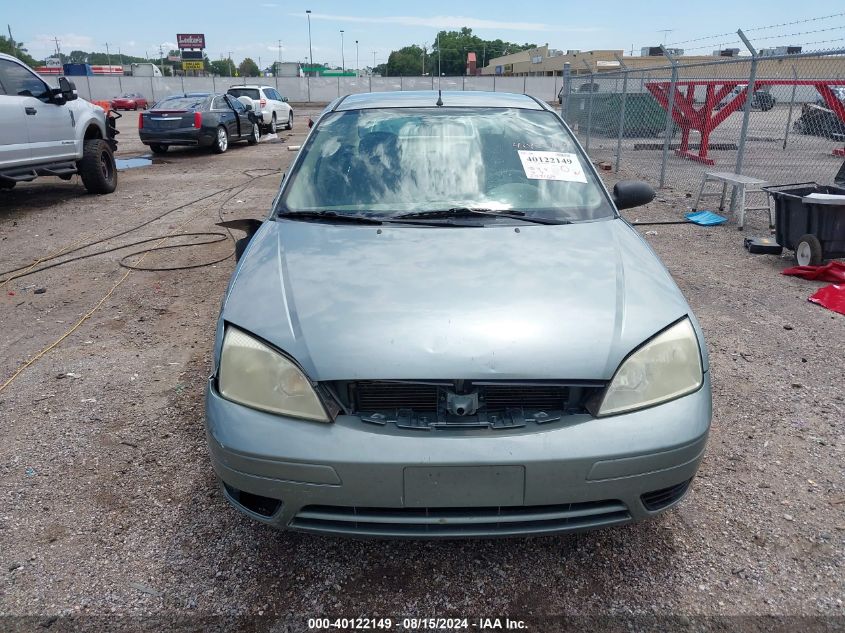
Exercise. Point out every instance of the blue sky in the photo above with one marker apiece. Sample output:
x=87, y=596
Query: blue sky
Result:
x=254, y=27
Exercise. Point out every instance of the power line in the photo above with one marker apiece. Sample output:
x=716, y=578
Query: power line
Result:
x=760, y=28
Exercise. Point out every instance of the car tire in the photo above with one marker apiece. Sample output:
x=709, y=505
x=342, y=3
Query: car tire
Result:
x=808, y=250
x=253, y=138
x=290, y=120
x=272, y=127
x=6, y=184
x=221, y=143
x=159, y=149
x=97, y=167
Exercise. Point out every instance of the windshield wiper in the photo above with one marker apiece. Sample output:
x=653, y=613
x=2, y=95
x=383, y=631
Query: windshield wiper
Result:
x=472, y=212
x=330, y=216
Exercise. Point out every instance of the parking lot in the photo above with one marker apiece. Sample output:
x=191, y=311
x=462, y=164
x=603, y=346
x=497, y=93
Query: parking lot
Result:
x=108, y=504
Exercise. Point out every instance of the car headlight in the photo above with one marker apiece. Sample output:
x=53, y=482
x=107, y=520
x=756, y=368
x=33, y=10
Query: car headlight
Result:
x=666, y=367
x=253, y=374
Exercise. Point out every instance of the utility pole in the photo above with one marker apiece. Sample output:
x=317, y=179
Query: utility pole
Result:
x=58, y=50
x=423, y=60
x=438, y=59
x=231, y=65
x=342, y=58
x=108, y=57
x=357, y=65
x=310, y=52
x=161, y=59
x=665, y=33
x=279, y=71
x=12, y=40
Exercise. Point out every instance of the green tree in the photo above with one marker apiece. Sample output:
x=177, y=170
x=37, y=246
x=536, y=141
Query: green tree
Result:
x=453, y=47
x=18, y=51
x=248, y=68
x=221, y=67
x=407, y=62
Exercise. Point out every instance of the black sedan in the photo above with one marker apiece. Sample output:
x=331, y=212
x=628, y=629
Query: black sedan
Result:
x=207, y=120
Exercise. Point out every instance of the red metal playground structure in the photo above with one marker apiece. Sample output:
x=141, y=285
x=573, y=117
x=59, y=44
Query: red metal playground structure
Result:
x=706, y=118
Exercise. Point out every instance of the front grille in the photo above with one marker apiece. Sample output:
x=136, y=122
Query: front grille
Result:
x=464, y=403
x=659, y=499
x=525, y=397
x=376, y=396
x=460, y=522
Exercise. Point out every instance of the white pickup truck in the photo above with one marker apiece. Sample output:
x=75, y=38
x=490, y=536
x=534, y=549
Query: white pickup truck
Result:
x=46, y=131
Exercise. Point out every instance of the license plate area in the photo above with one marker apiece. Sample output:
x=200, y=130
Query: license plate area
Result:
x=464, y=486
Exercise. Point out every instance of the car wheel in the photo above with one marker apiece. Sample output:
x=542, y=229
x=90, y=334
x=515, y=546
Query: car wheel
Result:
x=808, y=251
x=272, y=128
x=290, y=120
x=252, y=139
x=159, y=149
x=221, y=143
x=97, y=167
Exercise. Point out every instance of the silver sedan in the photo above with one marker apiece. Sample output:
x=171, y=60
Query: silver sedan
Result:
x=444, y=329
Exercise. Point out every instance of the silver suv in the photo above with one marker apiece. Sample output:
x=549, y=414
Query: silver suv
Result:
x=49, y=131
x=269, y=104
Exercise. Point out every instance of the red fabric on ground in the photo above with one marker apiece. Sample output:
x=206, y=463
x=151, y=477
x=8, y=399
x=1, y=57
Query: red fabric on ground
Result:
x=832, y=271
x=831, y=297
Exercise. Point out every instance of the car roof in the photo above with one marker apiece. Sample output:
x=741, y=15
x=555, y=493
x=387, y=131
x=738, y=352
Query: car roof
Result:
x=428, y=98
x=262, y=86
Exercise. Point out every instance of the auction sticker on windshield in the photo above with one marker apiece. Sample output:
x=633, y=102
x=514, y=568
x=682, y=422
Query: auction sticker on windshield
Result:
x=552, y=166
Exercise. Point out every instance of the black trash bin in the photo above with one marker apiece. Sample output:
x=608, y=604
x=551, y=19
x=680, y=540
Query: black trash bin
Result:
x=812, y=227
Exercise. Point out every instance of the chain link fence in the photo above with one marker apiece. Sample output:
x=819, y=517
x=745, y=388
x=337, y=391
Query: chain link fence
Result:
x=671, y=124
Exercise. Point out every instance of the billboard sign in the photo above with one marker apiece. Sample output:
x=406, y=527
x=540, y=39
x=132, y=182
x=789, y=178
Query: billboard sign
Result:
x=192, y=66
x=190, y=40
x=192, y=55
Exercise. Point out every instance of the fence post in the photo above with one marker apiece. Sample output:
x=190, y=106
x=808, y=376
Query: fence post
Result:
x=88, y=81
x=524, y=84
x=371, y=84
x=401, y=86
x=566, y=89
x=746, y=111
x=494, y=83
x=791, y=103
x=182, y=81
x=153, y=89
x=308, y=86
x=338, y=86
x=621, y=111
x=589, y=108
x=670, y=121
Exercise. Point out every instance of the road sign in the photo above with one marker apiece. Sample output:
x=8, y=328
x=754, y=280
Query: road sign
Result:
x=193, y=65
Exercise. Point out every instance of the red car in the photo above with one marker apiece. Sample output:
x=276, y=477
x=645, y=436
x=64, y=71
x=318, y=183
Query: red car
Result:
x=130, y=101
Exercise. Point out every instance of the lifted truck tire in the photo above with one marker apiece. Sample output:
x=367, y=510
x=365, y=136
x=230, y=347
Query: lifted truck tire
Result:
x=97, y=167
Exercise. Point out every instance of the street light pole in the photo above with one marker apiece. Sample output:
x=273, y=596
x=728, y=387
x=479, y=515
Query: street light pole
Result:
x=231, y=65
x=357, y=65
x=279, y=71
x=342, y=57
x=310, y=52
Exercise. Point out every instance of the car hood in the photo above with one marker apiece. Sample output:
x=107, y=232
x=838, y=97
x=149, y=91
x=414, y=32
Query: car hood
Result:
x=498, y=302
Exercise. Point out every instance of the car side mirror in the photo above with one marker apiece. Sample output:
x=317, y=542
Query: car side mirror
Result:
x=67, y=89
x=632, y=193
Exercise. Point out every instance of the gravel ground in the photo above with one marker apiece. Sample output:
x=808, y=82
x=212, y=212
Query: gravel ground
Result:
x=108, y=504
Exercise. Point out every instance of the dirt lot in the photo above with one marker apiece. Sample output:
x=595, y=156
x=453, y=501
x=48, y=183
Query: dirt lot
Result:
x=108, y=504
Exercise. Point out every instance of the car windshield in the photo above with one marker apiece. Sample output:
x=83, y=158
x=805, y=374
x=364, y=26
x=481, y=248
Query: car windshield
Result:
x=181, y=103
x=399, y=160
x=252, y=93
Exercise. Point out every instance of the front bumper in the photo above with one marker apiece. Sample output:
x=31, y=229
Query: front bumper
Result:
x=355, y=479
